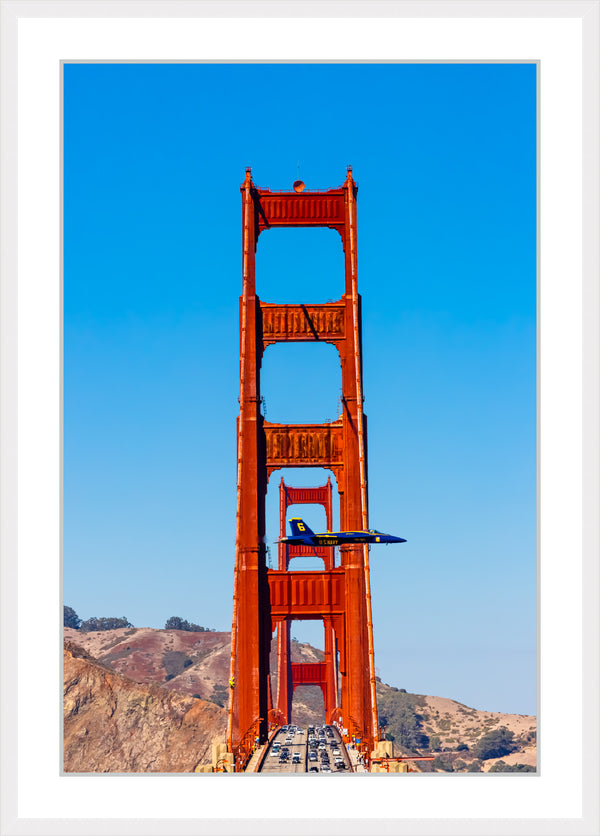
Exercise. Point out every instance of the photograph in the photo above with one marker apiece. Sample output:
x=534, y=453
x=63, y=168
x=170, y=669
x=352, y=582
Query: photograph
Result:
x=300, y=313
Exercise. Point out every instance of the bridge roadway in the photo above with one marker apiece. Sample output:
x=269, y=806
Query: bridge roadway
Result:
x=300, y=742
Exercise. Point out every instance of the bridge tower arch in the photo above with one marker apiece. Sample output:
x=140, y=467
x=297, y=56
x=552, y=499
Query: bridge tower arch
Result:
x=291, y=674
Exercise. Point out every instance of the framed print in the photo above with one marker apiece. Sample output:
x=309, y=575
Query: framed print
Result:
x=559, y=43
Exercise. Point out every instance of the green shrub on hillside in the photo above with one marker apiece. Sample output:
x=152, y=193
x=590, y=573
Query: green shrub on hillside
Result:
x=502, y=766
x=220, y=695
x=177, y=623
x=495, y=744
x=445, y=764
x=402, y=720
x=93, y=624
x=435, y=743
x=176, y=661
x=71, y=619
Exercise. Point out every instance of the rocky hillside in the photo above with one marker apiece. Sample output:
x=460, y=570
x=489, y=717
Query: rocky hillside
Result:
x=462, y=739
x=191, y=663
x=113, y=724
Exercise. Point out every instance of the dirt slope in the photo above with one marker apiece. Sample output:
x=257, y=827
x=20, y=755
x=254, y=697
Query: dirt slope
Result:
x=455, y=723
x=112, y=724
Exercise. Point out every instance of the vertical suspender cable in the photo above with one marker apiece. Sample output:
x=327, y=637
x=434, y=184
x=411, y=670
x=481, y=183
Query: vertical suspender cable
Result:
x=361, y=455
x=247, y=199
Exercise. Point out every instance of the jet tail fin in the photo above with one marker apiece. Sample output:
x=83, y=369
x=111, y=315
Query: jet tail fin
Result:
x=299, y=528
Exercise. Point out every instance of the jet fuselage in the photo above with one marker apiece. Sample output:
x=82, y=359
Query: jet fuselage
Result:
x=303, y=535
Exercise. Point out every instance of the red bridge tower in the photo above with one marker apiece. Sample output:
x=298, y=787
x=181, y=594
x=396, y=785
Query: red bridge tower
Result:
x=339, y=596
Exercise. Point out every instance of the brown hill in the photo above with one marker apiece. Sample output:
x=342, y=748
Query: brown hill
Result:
x=191, y=663
x=452, y=731
x=113, y=724
x=455, y=723
x=196, y=664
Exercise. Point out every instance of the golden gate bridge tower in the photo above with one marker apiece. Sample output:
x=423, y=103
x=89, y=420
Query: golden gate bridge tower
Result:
x=265, y=600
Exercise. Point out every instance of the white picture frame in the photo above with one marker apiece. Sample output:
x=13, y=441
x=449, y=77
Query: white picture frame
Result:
x=563, y=37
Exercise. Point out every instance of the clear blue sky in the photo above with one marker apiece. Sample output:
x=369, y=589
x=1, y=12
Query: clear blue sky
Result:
x=444, y=157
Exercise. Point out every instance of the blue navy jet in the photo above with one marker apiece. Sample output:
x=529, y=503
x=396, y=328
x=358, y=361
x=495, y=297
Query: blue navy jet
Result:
x=302, y=535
